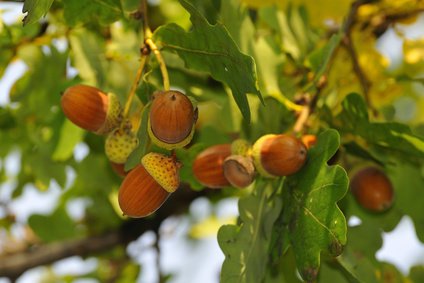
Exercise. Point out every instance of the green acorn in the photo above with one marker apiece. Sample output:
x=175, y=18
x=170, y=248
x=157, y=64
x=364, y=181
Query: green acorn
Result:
x=119, y=144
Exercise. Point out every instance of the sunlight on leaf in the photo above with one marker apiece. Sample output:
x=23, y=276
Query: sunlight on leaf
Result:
x=314, y=222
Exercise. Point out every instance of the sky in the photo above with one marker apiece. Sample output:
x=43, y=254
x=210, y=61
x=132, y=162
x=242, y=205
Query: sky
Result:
x=178, y=255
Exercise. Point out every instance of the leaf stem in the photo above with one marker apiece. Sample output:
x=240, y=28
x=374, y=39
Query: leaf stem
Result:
x=136, y=81
x=149, y=42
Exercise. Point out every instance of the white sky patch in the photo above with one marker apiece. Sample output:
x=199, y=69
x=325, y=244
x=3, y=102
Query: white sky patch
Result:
x=401, y=247
x=75, y=266
x=13, y=72
x=34, y=201
x=11, y=12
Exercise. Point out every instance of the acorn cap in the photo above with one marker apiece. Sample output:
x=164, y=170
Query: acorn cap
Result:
x=240, y=147
x=113, y=116
x=140, y=195
x=164, y=169
x=119, y=144
x=171, y=118
x=207, y=166
x=169, y=146
x=239, y=170
x=278, y=155
x=256, y=154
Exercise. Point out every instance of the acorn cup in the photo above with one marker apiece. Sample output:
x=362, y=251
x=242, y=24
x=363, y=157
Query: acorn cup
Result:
x=372, y=189
x=239, y=170
x=278, y=155
x=172, y=119
x=91, y=109
x=208, y=166
x=119, y=144
x=148, y=185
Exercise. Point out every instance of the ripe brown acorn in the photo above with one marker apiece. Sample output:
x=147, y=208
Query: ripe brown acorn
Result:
x=208, y=166
x=91, y=109
x=118, y=168
x=171, y=120
x=239, y=170
x=148, y=185
x=278, y=155
x=309, y=140
x=372, y=189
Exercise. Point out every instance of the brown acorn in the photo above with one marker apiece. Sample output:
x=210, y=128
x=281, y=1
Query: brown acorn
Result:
x=172, y=119
x=91, y=109
x=239, y=170
x=118, y=168
x=372, y=189
x=148, y=185
x=208, y=166
x=278, y=155
x=309, y=140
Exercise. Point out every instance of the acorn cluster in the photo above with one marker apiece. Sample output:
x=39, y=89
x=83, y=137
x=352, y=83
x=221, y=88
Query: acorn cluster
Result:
x=171, y=125
x=238, y=163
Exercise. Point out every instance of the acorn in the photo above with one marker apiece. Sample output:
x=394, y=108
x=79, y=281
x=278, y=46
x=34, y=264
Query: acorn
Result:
x=118, y=168
x=148, y=185
x=91, y=109
x=278, y=155
x=309, y=140
x=239, y=170
x=172, y=119
x=208, y=166
x=372, y=189
x=119, y=144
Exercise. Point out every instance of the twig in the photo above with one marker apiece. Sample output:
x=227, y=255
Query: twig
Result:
x=144, y=15
x=348, y=43
x=13, y=265
x=308, y=109
x=149, y=42
x=136, y=81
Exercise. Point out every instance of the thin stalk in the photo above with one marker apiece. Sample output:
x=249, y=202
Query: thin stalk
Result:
x=136, y=81
x=149, y=42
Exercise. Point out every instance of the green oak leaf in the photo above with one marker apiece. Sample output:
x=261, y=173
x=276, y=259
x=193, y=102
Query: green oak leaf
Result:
x=246, y=246
x=210, y=48
x=56, y=226
x=408, y=183
x=36, y=9
x=100, y=11
x=314, y=222
x=384, y=138
x=70, y=136
x=143, y=141
x=358, y=259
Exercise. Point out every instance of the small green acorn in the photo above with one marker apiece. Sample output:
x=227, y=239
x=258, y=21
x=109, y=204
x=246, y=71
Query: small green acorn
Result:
x=172, y=119
x=120, y=143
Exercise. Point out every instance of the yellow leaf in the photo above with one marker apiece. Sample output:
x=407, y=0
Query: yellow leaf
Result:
x=413, y=51
x=209, y=226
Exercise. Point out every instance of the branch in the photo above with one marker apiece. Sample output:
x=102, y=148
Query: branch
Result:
x=348, y=43
x=12, y=266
